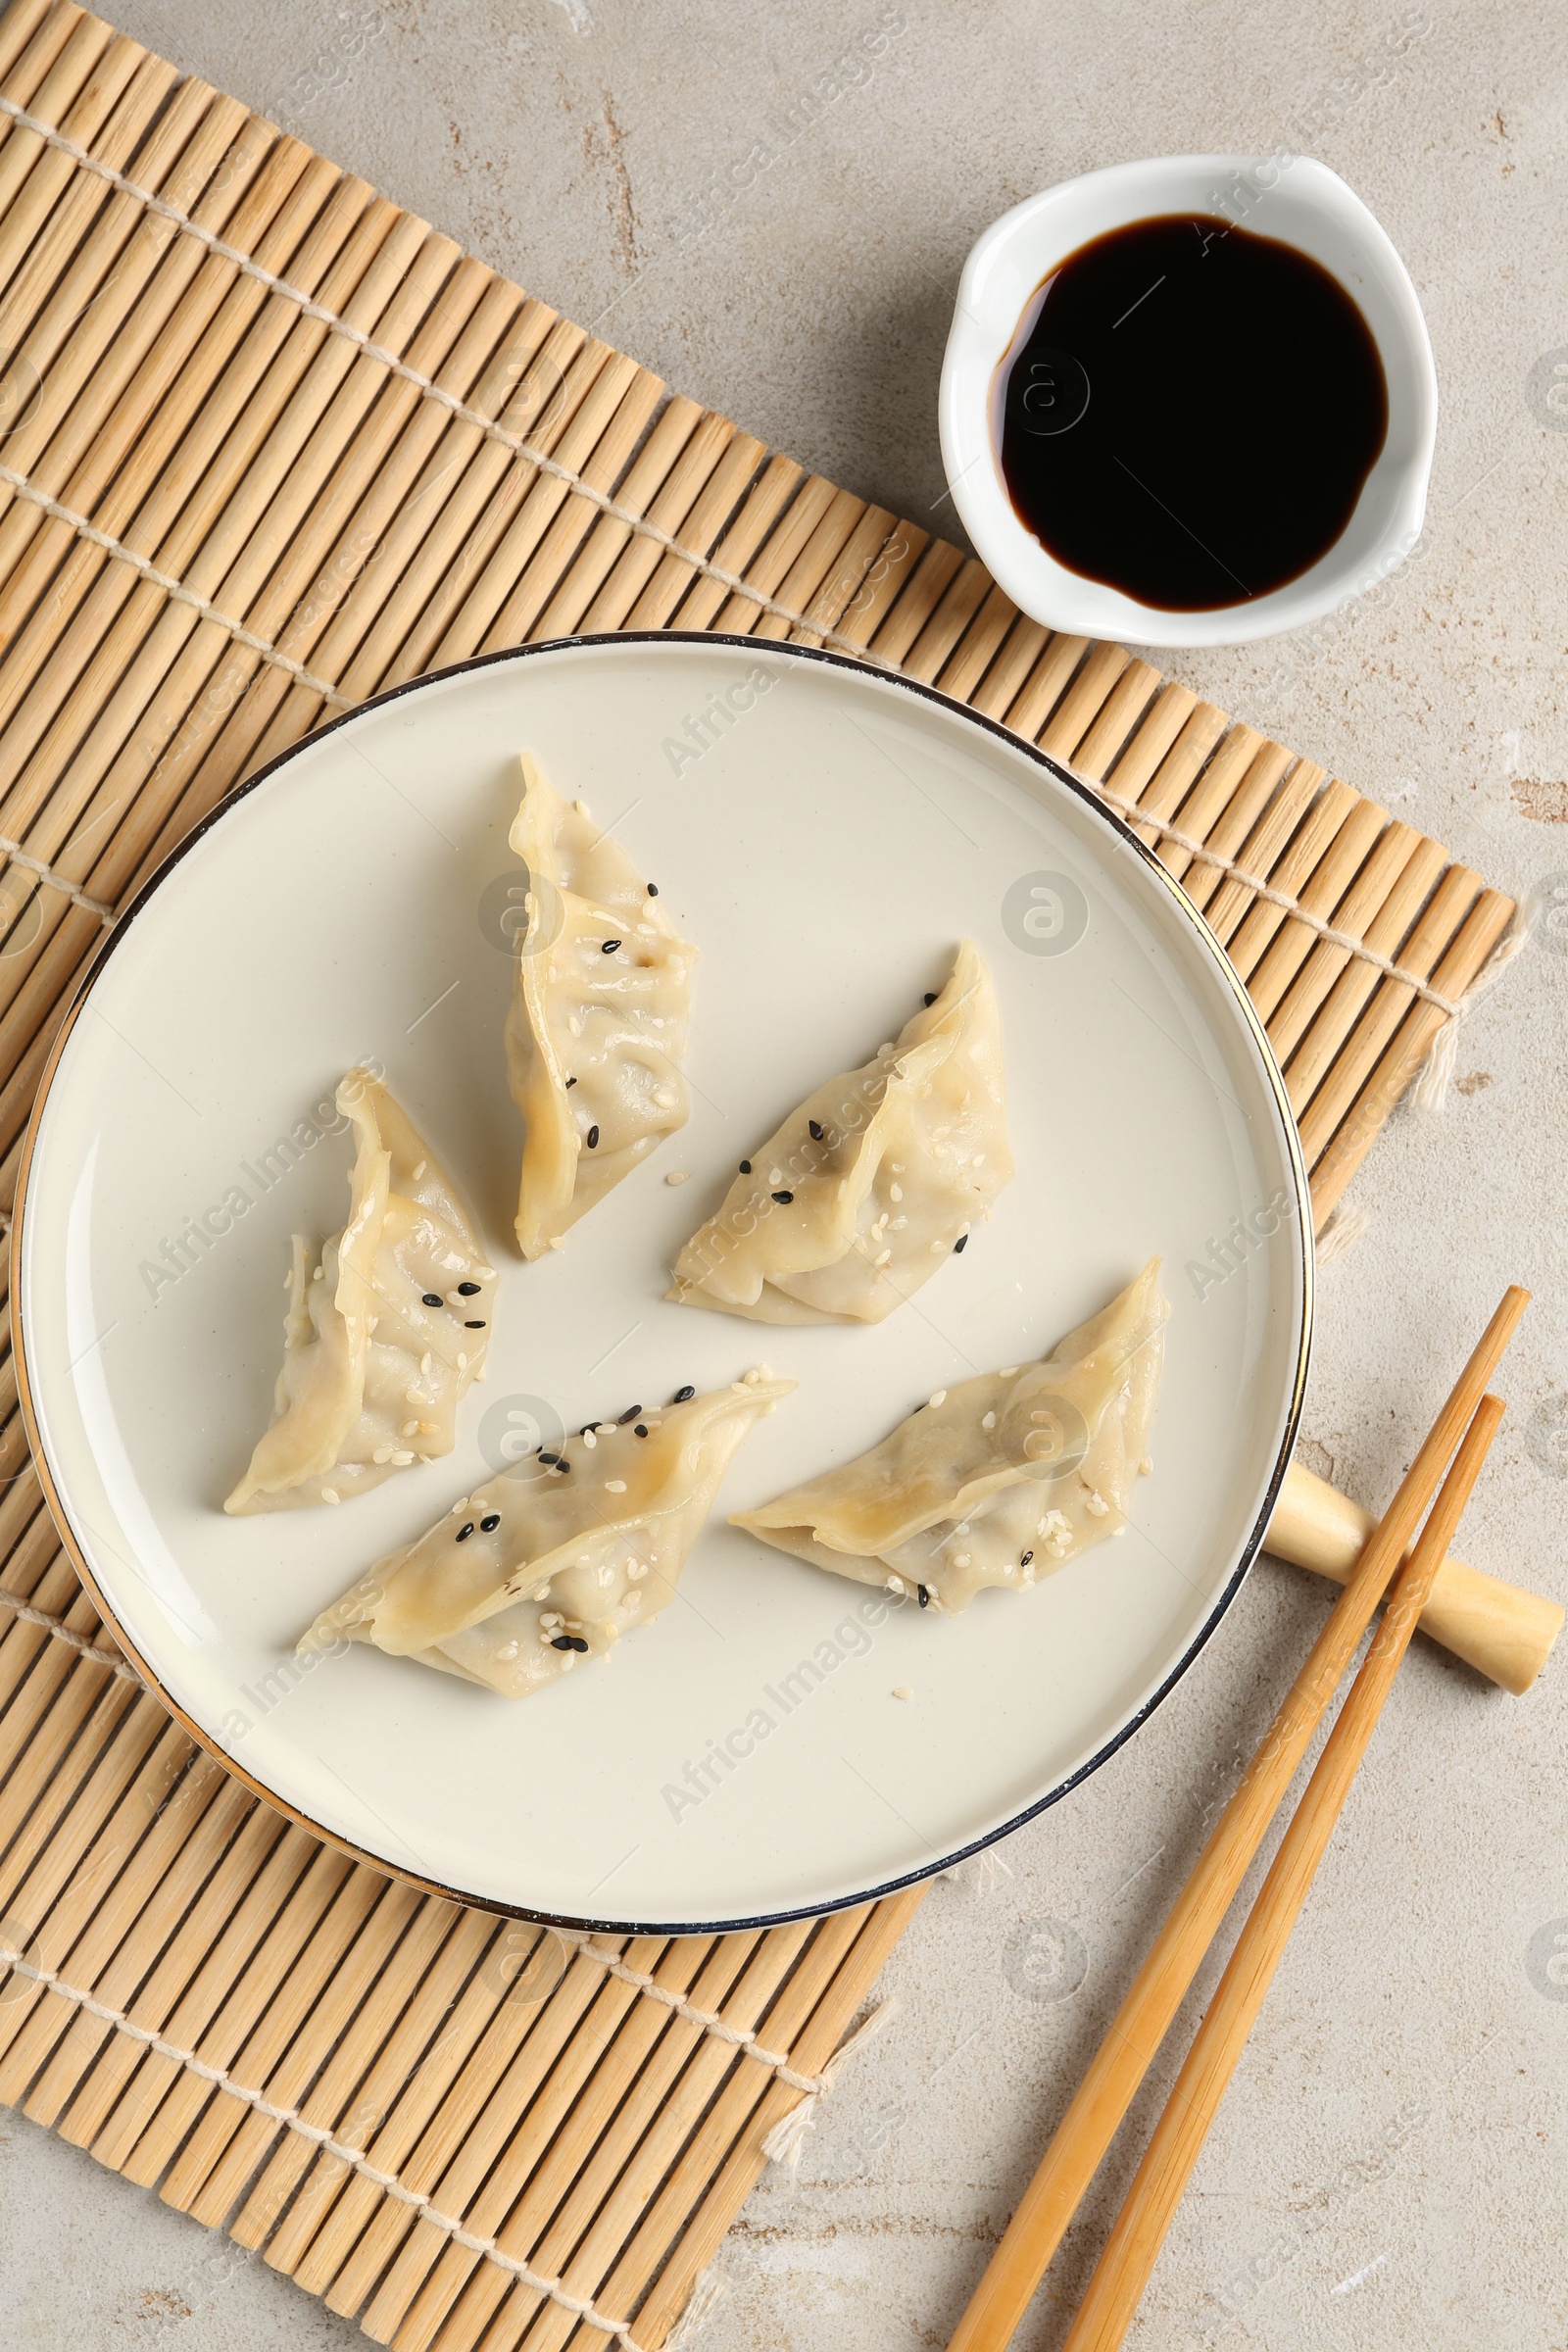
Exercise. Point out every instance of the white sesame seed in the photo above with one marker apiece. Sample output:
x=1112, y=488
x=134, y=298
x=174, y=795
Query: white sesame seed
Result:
x=895, y=1192
x=1009, y=1373
x=589, y=1439
x=677, y=1176
x=1145, y=1465
x=558, y=1240
x=615, y=1486
x=938, y=1397
x=401, y=1460
x=330, y=1494
x=902, y=1691
x=987, y=1421
x=884, y=1259
x=1096, y=1506
x=409, y=1429
x=419, y=1172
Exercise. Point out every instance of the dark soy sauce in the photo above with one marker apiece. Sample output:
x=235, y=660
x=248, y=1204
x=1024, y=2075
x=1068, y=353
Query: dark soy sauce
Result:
x=1188, y=413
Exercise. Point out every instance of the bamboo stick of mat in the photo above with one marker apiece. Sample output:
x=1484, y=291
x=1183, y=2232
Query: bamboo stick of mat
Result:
x=1140, y=2023
x=1133, y=2246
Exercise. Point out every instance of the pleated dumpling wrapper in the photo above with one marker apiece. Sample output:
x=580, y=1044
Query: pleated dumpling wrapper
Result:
x=384, y=1333
x=873, y=1182
x=556, y=1559
x=596, y=1031
x=999, y=1481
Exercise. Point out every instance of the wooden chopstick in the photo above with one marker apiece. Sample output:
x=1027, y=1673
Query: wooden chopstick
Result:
x=1123, y=2271
x=1140, y=2023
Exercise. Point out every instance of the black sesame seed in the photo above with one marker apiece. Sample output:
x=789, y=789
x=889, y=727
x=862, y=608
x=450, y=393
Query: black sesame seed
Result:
x=684, y=1395
x=432, y=1299
x=468, y=1289
x=465, y=1531
x=586, y=1426
x=931, y=997
x=609, y=946
x=630, y=1414
x=1027, y=1557
x=745, y=1168
x=816, y=1126
x=923, y=1596
x=593, y=1137
x=554, y=1461
x=784, y=1198
x=474, y=1324
x=958, y=1244
x=569, y=1641
x=641, y=1429
x=489, y=1524
x=653, y=890
x=572, y=1082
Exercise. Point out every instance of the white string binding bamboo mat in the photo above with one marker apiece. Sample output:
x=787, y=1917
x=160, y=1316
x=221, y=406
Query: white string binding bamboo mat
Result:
x=270, y=445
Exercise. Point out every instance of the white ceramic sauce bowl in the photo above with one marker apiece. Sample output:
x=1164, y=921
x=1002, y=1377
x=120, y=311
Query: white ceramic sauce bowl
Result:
x=1299, y=202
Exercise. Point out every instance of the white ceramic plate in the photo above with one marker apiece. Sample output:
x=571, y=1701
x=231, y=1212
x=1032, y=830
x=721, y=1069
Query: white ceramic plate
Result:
x=826, y=852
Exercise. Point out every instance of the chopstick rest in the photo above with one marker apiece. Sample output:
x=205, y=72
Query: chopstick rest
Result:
x=1140, y=2023
x=1130, y=2252
x=1503, y=1632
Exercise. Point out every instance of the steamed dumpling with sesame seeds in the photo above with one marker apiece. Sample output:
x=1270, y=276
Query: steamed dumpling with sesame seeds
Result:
x=873, y=1182
x=553, y=1561
x=383, y=1332
x=595, y=1030
x=999, y=1481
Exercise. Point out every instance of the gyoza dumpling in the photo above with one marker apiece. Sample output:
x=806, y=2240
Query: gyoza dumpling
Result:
x=596, y=1025
x=556, y=1560
x=867, y=1188
x=382, y=1335
x=998, y=1481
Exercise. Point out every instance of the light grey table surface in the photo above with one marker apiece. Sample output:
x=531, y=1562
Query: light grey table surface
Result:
x=1390, y=2166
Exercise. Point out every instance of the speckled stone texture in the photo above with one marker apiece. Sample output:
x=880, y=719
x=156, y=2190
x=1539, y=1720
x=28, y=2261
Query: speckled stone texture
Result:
x=1391, y=2167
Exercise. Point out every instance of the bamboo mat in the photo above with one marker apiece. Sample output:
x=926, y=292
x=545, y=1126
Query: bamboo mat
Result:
x=269, y=445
